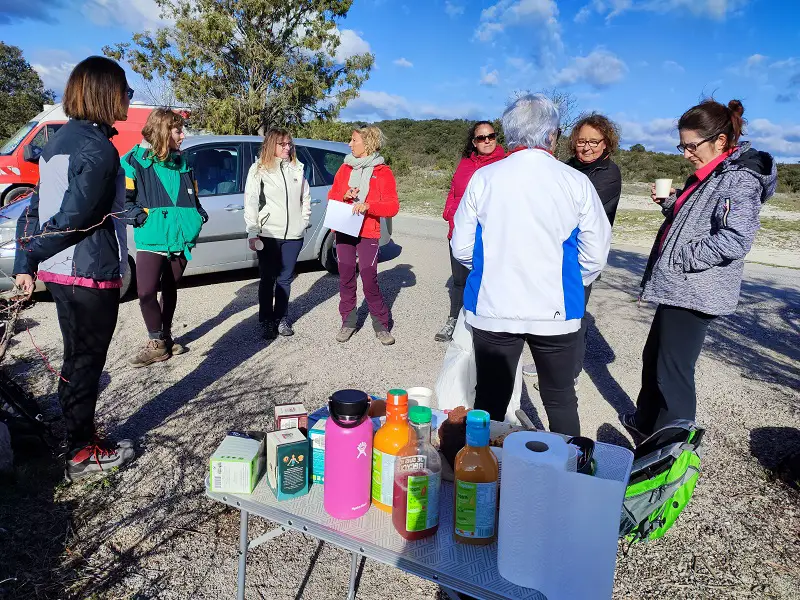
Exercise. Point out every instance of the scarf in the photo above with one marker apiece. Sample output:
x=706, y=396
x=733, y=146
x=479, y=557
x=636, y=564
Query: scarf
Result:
x=361, y=174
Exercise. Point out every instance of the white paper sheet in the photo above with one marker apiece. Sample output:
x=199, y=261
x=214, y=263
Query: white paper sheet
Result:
x=339, y=217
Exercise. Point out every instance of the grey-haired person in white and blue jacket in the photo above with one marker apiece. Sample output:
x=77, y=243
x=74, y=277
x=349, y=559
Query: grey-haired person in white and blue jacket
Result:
x=533, y=232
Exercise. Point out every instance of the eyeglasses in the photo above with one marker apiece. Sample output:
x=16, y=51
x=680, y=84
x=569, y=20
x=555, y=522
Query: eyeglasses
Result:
x=129, y=91
x=482, y=139
x=692, y=146
x=284, y=144
x=590, y=143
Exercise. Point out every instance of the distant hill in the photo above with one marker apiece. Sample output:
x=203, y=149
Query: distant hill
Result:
x=437, y=144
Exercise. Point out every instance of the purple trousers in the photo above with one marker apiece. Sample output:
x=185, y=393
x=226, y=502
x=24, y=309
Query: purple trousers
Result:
x=349, y=248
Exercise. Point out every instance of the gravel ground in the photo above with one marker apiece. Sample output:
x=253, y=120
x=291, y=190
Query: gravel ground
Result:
x=148, y=531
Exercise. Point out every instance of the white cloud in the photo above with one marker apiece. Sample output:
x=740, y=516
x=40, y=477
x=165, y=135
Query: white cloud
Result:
x=402, y=62
x=670, y=66
x=782, y=140
x=510, y=13
x=453, y=9
x=54, y=67
x=599, y=69
x=376, y=106
x=659, y=135
x=136, y=15
x=350, y=44
x=520, y=65
x=714, y=9
x=488, y=77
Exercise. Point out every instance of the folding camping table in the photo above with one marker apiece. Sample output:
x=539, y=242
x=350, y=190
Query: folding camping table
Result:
x=455, y=567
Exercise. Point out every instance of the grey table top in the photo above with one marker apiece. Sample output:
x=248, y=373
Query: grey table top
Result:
x=468, y=569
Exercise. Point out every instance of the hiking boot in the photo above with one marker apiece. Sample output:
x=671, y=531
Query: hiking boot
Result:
x=97, y=457
x=268, y=330
x=529, y=370
x=385, y=338
x=345, y=333
x=153, y=351
x=446, y=333
x=284, y=328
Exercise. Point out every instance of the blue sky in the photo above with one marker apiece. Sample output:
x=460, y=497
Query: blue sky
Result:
x=642, y=62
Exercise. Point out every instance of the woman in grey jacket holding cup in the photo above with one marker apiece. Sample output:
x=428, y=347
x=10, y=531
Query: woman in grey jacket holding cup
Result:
x=694, y=273
x=277, y=209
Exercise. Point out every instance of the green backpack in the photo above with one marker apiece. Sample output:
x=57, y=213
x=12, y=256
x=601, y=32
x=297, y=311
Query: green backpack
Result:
x=665, y=470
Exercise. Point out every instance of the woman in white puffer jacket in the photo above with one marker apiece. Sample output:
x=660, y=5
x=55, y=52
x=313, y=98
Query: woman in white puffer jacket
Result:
x=277, y=209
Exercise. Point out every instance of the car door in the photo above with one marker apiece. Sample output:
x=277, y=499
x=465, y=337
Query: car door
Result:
x=326, y=164
x=219, y=169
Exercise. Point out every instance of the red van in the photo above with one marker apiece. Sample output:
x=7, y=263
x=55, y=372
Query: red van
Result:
x=19, y=156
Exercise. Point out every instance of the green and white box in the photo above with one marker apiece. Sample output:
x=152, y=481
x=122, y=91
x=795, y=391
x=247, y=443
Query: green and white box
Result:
x=316, y=439
x=287, y=463
x=238, y=462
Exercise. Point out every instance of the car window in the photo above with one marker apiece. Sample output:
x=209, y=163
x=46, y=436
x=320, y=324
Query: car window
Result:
x=44, y=134
x=308, y=164
x=327, y=162
x=217, y=169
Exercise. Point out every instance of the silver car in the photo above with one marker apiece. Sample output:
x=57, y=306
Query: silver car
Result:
x=220, y=166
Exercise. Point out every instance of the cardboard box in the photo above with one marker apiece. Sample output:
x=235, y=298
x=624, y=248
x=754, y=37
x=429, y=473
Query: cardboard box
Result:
x=287, y=463
x=237, y=462
x=316, y=439
x=290, y=416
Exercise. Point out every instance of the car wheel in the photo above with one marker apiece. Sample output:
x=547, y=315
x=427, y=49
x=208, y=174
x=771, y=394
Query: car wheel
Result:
x=128, y=280
x=16, y=194
x=328, y=254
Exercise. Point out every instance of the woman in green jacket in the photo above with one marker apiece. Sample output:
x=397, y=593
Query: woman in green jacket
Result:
x=163, y=207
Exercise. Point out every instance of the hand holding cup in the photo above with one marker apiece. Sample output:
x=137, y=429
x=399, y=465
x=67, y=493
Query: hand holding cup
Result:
x=661, y=190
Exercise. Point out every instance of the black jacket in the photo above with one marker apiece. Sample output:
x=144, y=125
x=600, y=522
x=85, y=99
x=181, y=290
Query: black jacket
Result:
x=607, y=180
x=79, y=183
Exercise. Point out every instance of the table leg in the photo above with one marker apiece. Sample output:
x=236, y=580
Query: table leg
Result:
x=243, y=522
x=351, y=595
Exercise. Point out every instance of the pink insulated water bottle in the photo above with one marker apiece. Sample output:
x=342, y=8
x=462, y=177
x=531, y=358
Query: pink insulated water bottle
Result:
x=348, y=455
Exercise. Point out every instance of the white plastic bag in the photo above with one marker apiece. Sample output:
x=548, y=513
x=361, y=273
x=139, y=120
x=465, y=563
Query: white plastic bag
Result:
x=456, y=383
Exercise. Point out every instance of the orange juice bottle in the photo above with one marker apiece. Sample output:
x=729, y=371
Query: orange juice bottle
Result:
x=389, y=439
x=475, y=494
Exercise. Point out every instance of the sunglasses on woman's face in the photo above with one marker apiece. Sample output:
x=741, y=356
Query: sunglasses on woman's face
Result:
x=482, y=139
x=130, y=93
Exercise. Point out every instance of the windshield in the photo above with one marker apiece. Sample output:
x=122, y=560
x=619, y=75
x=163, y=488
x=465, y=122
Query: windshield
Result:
x=12, y=142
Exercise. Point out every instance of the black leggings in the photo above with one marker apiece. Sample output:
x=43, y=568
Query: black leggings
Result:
x=154, y=271
x=496, y=359
x=87, y=317
x=668, y=362
x=460, y=274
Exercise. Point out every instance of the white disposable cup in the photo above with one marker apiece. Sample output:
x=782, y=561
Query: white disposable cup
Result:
x=663, y=186
x=259, y=244
x=572, y=460
x=420, y=396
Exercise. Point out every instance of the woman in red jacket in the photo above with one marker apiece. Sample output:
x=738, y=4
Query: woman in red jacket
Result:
x=368, y=184
x=480, y=149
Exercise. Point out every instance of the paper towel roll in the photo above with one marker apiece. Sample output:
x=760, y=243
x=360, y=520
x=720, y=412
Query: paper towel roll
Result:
x=530, y=505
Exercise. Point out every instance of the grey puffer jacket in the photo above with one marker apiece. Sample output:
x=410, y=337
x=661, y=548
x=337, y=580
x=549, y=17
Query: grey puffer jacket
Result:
x=702, y=259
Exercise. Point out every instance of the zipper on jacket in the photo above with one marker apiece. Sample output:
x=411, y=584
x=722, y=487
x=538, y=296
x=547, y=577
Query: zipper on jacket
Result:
x=286, y=189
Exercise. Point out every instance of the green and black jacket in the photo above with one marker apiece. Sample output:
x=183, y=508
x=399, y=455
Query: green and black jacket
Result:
x=161, y=202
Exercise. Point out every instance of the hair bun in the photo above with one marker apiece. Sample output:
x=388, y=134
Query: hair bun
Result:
x=735, y=106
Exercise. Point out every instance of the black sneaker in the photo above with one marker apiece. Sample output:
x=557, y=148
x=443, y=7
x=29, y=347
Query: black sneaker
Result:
x=268, y=330
x=97, y=457
x=629, y=422
x=284, y=328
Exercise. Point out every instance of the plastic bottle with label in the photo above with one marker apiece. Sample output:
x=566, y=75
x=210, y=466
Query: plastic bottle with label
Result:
x=417, y=480
x=475, y=485
x=389, y=439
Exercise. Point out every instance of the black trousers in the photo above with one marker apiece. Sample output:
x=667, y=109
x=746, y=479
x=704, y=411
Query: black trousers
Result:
x=496, y=359
x=276, y=264
x=668, y=363
x=87, y=318
x=460, y=274
x=587, y=291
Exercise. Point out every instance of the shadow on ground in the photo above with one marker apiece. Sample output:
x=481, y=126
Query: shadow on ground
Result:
x=777, y=449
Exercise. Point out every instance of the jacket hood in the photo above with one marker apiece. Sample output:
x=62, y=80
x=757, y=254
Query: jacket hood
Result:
x=760, y=165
